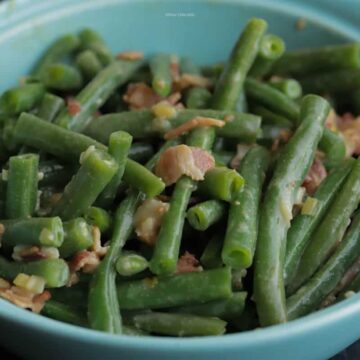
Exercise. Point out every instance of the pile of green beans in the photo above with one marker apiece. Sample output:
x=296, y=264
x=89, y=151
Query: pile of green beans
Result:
x=261, y=225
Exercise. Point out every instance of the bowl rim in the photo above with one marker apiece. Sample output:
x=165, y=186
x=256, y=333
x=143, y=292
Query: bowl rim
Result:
x=311, y=323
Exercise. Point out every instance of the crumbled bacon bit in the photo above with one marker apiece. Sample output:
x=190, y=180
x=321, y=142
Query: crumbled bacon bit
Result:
x=315, y=176
x=173, y=98
x=331, y=120
x=283, y=138
x=97, y=247
x=73, y=106
x=187, y=263
x=130, y=55
x=198, y=121
x=33, y=252
x=84, y=260
x=4, y=284
x=183, y=160
x=189, y=80
x=174, y=68
x=25, y=299
x=148, y=219
x=241, y=151
x=349, y=127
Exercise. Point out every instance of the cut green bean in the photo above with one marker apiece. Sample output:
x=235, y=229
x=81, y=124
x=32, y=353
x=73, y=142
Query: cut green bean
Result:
x=230, y=84
x=96, y=171
x=140, y=124
x=95, y=93
x=22, y=186
x=78, y=236
x=331, y=230
x=303, y=226
x=221, y=183
x=63, y=312
x=175, y=290
x=227, y=309
x=91, y=40
x=54, y=271
x=98, y=217
x=211, y=256
x=130, y=263
x=35, y=231
x=21, y=98
x=61, y=77
x=119, y=145
x=269, y=117
x=272, y=98
x=276, y=212
x=179, y=324
x=326, y=58
x=242, y=228
x=271, y=48
x=89, y=64
x=161, y=74
x=201, y=216
x=59, y=49
x=333, y=146
x=312, y=293
x=198, y=98
x=50, y=106
x=290, y=87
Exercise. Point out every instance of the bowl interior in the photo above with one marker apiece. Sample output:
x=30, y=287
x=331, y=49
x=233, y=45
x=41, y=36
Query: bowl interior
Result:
x=205, y=31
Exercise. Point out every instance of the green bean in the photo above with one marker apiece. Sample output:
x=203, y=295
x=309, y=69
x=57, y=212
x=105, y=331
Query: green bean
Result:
x=188, y=67
x=139, y=177
x=340, y=82
x=64, y=144
x=272, y=98
x=77, y=236
x=130, y=263
x=226, y=309
x=201, y=216
x=303, y=226
x=52, y=173
x=59, y=49
x=61, y=77
x=140, y=124
x=290, y=87
x=179, y=324
x=119, y=145
x=231, y=81
x=331, y=230
x=96, y=171
x=269, y=117
x=9, y=136
x=175, y=290
x=221, y=183
x=141, y=152
x=103, y=305
x=95, y=93
x=211, y=256
x=89, y=64
x=291, y=168
x=223, y=157
x=326, y=58
x=63, y=312
x=333, y=146
x=325, y=280
x=35, y=231
x=91, y=40
x=22, y=186
x=98, y=217
x=54, y=271
x=161, y=74
x=21, y=98
x=50, y=106
x=198, y=98
x=242, y=228
x=271, y=48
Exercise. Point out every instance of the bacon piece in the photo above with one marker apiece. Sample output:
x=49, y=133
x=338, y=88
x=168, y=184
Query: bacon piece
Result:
x=187, y=263
x=174, y=68
x=350, y=129
x=148, y=219
x=197, y=121
x=73, y=106
x=140, y=96
x=183, y=160
x=25, y=299
x=130, y=55
x=97, y=247
x=29, y=252
x=186, y=81
x=84, y=260
x=315, y=176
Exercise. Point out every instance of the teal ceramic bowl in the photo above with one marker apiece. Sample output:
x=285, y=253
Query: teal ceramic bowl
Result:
x=204, y=30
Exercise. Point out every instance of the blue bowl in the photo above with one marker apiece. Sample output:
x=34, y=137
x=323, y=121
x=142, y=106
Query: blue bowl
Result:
x=206, y=31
